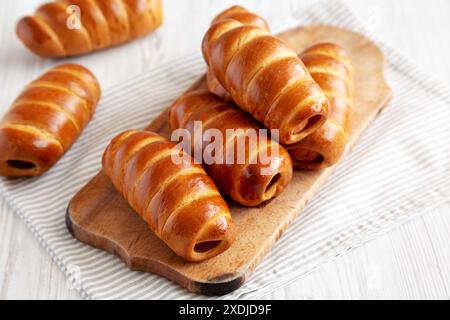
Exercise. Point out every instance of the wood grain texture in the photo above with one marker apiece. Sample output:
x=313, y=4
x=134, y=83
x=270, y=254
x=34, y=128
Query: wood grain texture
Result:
x=99, y=216
x=389, y=257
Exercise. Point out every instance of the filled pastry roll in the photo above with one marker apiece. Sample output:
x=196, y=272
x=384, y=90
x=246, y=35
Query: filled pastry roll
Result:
x=260, y=168
x=331, y=67
x=172, y=194
x=245, y=17
x=264, y=77
x=64, y=28
x=46, y=119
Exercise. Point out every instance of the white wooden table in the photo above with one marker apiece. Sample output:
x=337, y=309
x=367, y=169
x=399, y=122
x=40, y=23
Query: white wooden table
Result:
x=411, y=261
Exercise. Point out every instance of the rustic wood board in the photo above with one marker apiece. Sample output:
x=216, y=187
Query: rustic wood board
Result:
x=99, y=216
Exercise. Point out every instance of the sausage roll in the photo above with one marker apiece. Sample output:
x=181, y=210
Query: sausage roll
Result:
x=172, y=194
x=331, y=67
x=71, y=27
x=256, y=170
x=46, y=119
x=265, y=78
x=245, y=17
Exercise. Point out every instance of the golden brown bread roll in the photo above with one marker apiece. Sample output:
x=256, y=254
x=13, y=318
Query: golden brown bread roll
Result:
x=46, y=119
x=177, y=200
x=245, y=17
x=331, y=67
x=103, y=23
x=250, y=179
x=265, y=78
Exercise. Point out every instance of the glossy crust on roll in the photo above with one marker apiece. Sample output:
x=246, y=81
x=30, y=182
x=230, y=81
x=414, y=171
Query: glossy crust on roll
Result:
x=245, y=17
x=242, y=15
x=46, y=119
x=102, y=23
x=172, y=194
x=256, y=171
x=265, y=78
x=331, y=67
x=215, y=87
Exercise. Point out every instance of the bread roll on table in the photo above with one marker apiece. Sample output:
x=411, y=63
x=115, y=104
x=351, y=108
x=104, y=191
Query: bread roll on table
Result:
x=176, y=199
x=331, y=67
x=102, y=23
x=251, y=180
x=264, y=77
x=46, y=119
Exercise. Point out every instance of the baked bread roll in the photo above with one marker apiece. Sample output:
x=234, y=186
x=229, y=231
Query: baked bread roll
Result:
x=102, y=23
x=245, y=17
x=46, y=119
x=265, y=78
x=176, y=199
x=331, y=67
x=250, y=172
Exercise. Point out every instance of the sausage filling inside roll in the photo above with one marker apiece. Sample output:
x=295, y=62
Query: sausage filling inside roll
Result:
x=260, y=169
x=264, y=76
x=176, y=199
x=46, y=119
x=331, y=67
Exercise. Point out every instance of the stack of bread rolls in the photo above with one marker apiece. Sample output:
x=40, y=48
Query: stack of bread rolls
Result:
x=258, y=72
x=254, y=82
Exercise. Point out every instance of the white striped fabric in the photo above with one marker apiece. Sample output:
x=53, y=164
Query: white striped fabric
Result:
x=397, y=170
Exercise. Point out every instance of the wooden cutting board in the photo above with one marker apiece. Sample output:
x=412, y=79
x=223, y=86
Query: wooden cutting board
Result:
x=99, y=216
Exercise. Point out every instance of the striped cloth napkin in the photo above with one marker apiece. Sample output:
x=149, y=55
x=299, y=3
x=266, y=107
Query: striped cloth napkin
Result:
x=398, y=170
